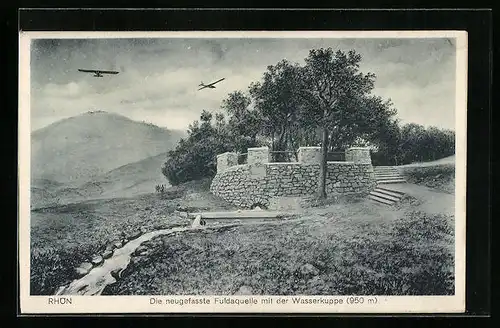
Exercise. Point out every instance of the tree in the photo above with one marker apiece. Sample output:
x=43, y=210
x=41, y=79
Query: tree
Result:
x=243, y=122
x=195, y=157
x=325, y=102
x=276, y=99
x=332, y=86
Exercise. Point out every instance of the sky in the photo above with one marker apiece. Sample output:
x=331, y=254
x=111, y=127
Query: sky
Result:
x=159, y=78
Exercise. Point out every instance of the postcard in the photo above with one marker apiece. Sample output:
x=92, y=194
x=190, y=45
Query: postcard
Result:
x=242, y=172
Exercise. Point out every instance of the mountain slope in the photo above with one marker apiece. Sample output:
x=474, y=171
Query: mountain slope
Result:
x=128, y=180
x=78, y=149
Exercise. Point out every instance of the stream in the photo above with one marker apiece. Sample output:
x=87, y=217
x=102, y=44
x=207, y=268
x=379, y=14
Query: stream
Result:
x=100, y=276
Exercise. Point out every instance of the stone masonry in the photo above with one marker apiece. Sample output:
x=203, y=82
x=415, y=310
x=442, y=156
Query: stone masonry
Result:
x=358, y=155
x=226, y=160
x=259, y=181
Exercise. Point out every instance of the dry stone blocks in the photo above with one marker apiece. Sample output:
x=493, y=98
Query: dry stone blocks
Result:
x=309, y=155
x=258, y=155
x=264, y=183
x=226, y=160
x=240, y=185
x=358, y=155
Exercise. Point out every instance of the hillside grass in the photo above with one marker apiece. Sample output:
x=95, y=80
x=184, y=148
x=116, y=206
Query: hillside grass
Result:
x=345, y=246
x=438, y=176
x=355, y=248
x=62, y=237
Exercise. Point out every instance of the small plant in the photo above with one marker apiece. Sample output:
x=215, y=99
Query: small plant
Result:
x=160, y=188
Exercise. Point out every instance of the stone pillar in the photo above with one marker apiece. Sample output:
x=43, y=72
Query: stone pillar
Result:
x=359, y=155
x=309, y=155
x=258, y=155
x=226, y=160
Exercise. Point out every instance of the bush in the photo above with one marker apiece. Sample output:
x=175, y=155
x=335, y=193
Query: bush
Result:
x=440, y=177
x=414, y=143
x=195, y=158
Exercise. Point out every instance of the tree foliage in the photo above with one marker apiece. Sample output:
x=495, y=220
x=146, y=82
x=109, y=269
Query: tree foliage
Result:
x=277, y=100
x=337, y=94
x=327, y=101
x=195, y=157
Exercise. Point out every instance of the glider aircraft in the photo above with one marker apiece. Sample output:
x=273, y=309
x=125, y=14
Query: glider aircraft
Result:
x=98, y=73
x=210, y=85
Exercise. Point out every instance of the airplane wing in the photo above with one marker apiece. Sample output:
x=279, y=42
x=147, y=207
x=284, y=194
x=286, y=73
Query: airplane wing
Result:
x=87, y=70
x=108, y=72
x=203, y=87
x=216, y=81
x=97, y=71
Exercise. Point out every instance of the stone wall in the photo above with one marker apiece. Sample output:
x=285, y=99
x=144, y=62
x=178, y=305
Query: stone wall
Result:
x=226, y=160
x=258, y=155
x=358, y=155
x=259, y=182
x=309, y=155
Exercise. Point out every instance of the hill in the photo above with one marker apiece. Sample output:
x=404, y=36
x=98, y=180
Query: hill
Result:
x=348, y=246
x=439, y=174
x=128, y=180
x=442, y=161
x=81, y=148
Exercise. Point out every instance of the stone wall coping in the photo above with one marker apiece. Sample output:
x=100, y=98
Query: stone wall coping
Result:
x=298, y=163
x=257, y=148
x=285, y=163
x=343, y=162
x=295, y=163
x=234, y=167
x=359, y=148
x=227, y=152
x=310, y=147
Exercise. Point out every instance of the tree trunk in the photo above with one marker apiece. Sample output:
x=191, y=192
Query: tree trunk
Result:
x=280, y=157
x=323, y=165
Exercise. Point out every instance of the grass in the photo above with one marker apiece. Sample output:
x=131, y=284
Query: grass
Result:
x=440, y=176
x=62, y=237
x=353, y=250
x=341, y=246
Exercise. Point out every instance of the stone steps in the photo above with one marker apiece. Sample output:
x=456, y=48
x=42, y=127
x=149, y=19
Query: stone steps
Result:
x=389, y=191
x=385, y=196
x=380, y=200
x=387, y=175
x=388, y=181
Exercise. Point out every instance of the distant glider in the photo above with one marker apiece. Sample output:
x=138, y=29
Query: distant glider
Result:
x=210, y=86
x=98, y=73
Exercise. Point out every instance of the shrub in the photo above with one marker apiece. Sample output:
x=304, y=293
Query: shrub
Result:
x=195, y=158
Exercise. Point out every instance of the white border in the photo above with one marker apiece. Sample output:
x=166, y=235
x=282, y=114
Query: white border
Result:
x=141, y=304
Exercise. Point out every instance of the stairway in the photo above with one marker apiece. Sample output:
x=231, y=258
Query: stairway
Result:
x=384, y=176
x=387, y=174
x=385, y=195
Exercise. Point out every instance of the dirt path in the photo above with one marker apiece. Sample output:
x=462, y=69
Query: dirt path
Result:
x=433, y=201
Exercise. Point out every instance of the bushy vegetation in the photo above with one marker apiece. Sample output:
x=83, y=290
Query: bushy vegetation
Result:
x=414, y=143
x=196, y=156
x=345, y=246
x=441, y=177
x=62, y=237
x=347, y=254
x=327, y=101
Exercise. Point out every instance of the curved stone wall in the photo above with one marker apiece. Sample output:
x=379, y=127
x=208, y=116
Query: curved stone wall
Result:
x=258, y=183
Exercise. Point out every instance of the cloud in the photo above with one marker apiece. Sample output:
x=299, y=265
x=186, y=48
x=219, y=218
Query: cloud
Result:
x=68, y=90
x=158, y=79
x=431, y=105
